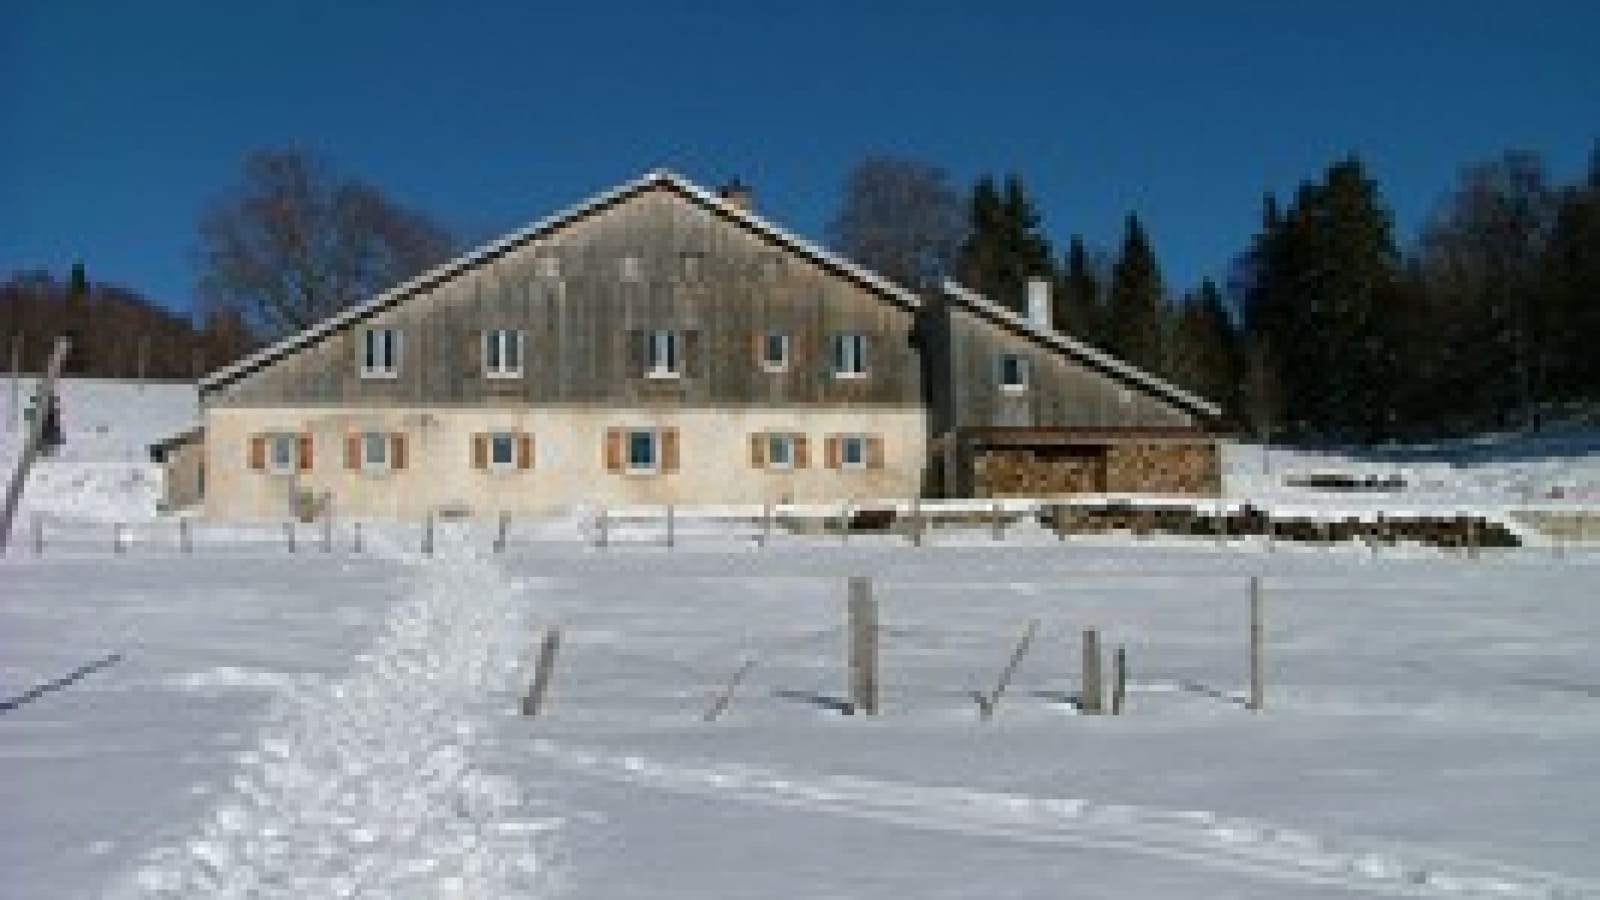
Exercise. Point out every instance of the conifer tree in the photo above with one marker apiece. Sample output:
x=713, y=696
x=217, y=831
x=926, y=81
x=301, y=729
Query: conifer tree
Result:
x=1004, y=246
x=1134, y=308
x=1078, y=309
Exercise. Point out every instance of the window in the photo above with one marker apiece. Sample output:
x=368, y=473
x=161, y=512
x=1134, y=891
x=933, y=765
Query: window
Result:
x=852, y=451
x=280, y=453
x=775, y=351
x=663, y=354
x=380, y=353
x=691, y=264
x=631, y=268
x=641, y=451
x=1013, y=372
x=502, y=353
x=375, y=450
x=780, y=451
x=547, y=267
x=502, y=450
x=849, y=355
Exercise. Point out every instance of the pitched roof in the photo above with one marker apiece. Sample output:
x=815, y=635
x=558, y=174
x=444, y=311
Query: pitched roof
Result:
x=1096, y=358
x=487, y=253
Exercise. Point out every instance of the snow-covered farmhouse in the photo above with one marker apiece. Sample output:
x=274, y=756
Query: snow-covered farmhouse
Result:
x=662, y=343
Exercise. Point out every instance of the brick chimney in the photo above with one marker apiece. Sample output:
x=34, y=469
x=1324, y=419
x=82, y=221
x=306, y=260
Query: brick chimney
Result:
x=737, y=193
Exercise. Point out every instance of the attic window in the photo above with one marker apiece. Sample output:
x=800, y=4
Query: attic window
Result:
x=1013, y=372
x=380, y=353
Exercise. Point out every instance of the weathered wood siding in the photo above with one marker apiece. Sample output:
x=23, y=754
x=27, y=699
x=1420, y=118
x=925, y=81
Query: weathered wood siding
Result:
x=580, y=325
x=965, y=351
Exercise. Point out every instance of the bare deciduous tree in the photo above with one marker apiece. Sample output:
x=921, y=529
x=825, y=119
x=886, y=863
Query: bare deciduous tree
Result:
x=900, y=218
x=293, y=243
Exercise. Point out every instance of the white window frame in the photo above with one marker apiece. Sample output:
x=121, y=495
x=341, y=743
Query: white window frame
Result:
x=776, y=439
x=496, y=341
x=859, y=441
x=661, y=342
x=291, y=462
x=380, y=357
x=1023, y=366
x=768, y=364
x=385, y=457
x=653, y=441
x=849, y=355
x=510, y=443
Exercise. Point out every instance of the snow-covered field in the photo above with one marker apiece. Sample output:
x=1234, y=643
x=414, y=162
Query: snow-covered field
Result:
x=243, y=722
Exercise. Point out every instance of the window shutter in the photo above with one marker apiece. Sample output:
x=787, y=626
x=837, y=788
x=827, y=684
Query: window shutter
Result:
x=397, y=451
x=669, y=449
x=613, y=450
x=305, y=452
x=831, y=451
x=524, y=450
x=352, y=451
x=258, y=451
x=875, y=452
x=480, y=451
x=800, y=457
x=758, y=450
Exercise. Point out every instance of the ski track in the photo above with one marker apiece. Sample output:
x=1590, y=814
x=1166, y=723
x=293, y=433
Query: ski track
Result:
x=367, y=786
x=1191, y=836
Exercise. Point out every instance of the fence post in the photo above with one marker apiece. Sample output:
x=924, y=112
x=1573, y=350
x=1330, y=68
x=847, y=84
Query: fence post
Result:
x=724, y=697
x=987, y=703
x=844, y=522
x=999, y=523
x=185, y=542
x=500, y=532
x=327, y=532
x=542, y=671
x=355, y=544
x=1257, y=673
x=1119, y=680
x=427, y=534
x=116, y=538
x=600, y=528
x=916, y=521
x=1092, y=702
x=671, y=525
x=1472, y=537
x=38, y=534
x=288, y=535
x=766, y=523
x=863, y=650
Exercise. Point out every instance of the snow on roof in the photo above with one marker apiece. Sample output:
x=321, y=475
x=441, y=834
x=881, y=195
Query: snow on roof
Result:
x=1074, y=347
x=470, y=260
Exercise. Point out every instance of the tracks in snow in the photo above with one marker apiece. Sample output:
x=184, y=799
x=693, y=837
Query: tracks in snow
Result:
x=1201, y=838
x=367, y=786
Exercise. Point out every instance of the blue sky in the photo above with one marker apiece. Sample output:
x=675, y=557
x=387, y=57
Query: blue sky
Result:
x=119, y=121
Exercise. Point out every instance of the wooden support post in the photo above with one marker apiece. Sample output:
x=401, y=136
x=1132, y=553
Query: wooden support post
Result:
x=543, y=669
x=600, y=523
x=1472, y=537
x=917, y=523
x=844, y=522
x=724, y=697
x=671, y=525
x=327, y=532
x=1092, y=700
x=1222, y=526
x=863, y=650
x=116, y=538
x=38, y=534
x=501, y=531
x=998, y=523
x=988, y=702
x=355, y=540
x=1119, y=680
x=427, y=535
x=1257, y=671
x=185, y=541
x=766, y=524
x=288, y=535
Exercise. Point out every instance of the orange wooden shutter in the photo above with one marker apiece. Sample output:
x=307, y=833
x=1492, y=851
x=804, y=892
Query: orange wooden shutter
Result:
x=306, y=457
x=875, y=452
x=669, y=449
x=613, y=450
x=397, y=454
x=831, y=451
x=801, y=457
x=480, y=451
x=524, y=450
x=758, y=450
x=352, y=451
x=258, y=451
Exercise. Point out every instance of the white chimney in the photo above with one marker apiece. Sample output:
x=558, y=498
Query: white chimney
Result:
x=1039, y=303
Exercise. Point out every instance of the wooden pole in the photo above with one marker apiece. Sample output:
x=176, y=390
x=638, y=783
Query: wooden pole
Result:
x=1257, y=670
x=844, y=522
x=671, y=525
x=1092, y=702
x=766, y=524
x=35, y=437
x=724, y=697
x=327, y=531
x=1472, y=537
x=427, y=535
x=916, y=521
x=863, y=650
x=600, y=528
x=501, y=531
x=288, y=535
x=987, y=703
x=1119, y=680
x=542, y=672
x=998, y=524
x=185, y=543
x=38, y=534
x=355, y=544
x=116, y=538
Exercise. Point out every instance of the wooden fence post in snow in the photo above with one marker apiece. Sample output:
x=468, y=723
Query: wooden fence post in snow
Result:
x=185, y=542
x=844, y=522
x=671, y=525
x=542, y=671
x=999, y=523
x=916, y=522
x=600, y=528
x=863, y=649
x=724, y=697
x=288, y=536
x=1119, y=681
x=1257, y=673
x=766, y=524
x=327, y=532
x=427, y=535
x=1092, y=701
x=988, y=702
x=1472, y=537
x=38, y=534
x=500, y=532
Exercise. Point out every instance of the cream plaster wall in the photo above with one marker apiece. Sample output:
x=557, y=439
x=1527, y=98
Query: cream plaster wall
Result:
x=569, y=465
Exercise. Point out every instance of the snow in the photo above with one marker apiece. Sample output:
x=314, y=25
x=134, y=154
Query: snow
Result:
x=240, y=721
